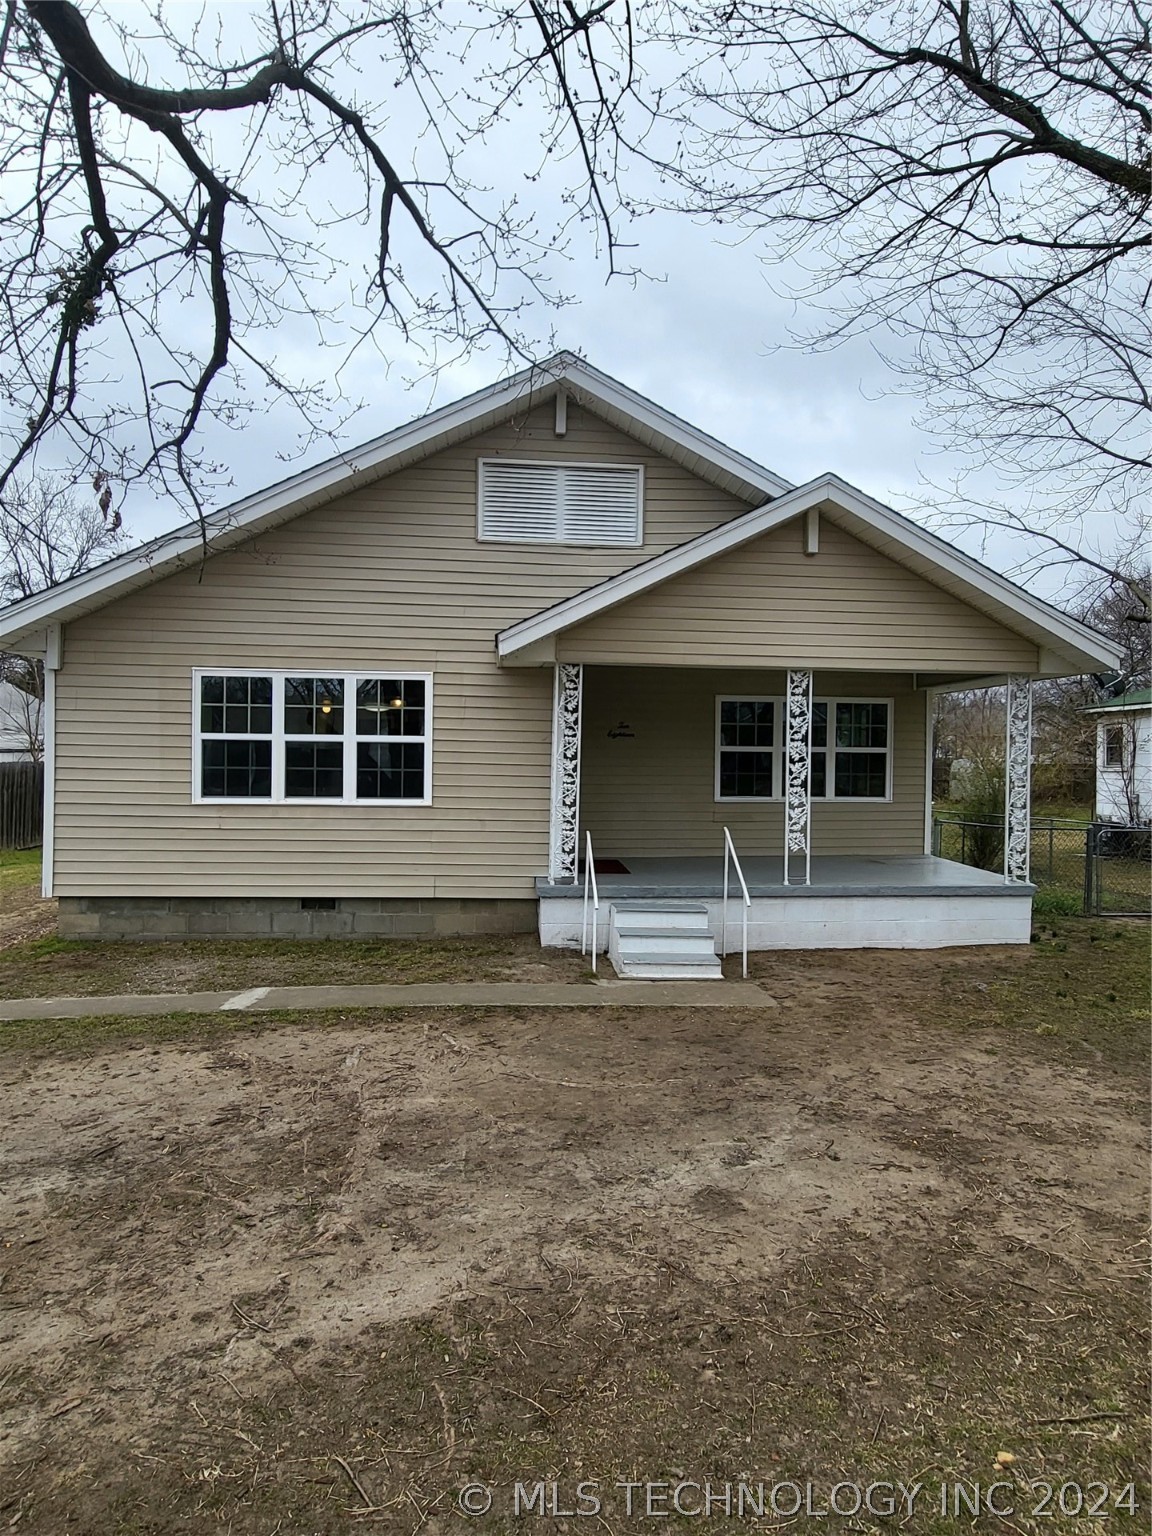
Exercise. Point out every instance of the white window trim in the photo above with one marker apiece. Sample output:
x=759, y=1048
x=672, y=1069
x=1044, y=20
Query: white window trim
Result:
x=1121, y=764
x=777, y=750
x=487, y=538
x=278, y=736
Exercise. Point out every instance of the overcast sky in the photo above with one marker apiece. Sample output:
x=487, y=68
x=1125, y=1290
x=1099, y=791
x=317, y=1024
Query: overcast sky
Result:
x=705, y=337
x=704, y=333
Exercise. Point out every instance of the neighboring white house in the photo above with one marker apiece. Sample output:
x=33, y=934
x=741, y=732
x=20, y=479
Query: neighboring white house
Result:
x=20, y=727
x=1124, y=757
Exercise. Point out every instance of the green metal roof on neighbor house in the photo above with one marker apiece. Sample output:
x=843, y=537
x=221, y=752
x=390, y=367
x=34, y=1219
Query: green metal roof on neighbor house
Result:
x=1136, y=698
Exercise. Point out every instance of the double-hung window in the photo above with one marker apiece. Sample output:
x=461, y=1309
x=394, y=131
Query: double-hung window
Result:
x=851, y=749
x=299, y=736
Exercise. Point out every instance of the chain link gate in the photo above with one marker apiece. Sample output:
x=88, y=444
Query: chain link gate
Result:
x=1118, y=871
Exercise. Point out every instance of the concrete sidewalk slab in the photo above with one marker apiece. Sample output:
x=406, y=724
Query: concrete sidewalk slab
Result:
x=597, y=994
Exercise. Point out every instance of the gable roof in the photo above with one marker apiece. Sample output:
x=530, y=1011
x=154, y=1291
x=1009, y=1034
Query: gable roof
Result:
x=866, y=519
x=614, y=402
x=23, y=624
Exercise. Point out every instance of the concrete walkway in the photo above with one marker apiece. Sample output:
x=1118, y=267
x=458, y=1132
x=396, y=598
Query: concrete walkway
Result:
x=480, y=994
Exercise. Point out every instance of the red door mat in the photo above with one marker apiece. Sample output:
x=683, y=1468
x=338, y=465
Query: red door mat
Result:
x=609, y=867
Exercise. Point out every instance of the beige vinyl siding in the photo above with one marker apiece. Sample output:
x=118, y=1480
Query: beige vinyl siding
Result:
x=648, y=767
x=390, y=577
x=769, y=604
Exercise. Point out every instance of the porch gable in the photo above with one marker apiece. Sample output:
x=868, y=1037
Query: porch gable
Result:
x=771, y=604
x=957, y=597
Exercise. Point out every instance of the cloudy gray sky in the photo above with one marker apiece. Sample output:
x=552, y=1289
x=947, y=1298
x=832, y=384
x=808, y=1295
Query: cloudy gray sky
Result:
x=706, y=337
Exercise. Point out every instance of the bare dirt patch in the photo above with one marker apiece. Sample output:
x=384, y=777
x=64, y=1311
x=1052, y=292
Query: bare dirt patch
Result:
x=303, y=1278
x=24, y=914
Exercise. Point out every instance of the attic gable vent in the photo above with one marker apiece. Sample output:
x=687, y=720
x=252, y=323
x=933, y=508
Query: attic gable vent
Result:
x=524, y=502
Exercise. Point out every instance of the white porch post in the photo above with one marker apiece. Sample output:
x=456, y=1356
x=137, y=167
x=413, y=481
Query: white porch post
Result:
x=567, y=696
x=1018, y=781
x=797, y=772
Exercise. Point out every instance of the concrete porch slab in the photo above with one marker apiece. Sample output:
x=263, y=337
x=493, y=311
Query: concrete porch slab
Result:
x=686, y=879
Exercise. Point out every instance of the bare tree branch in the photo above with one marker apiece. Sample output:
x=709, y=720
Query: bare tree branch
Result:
x=167, y=233
x=968, y=181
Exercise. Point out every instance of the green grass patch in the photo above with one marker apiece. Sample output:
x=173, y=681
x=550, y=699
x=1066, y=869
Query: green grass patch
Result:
x=1052, y=902
x=19, y=866
x=54, y=967
x=1084, y=987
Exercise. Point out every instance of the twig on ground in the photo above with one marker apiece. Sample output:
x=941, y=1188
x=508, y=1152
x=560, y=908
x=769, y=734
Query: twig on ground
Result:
x=531, y=1400
x=369, y=1507
x=251, y=1321
x=1083, y=1418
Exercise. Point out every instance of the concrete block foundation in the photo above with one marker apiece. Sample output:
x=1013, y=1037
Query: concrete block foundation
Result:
x=151, y=918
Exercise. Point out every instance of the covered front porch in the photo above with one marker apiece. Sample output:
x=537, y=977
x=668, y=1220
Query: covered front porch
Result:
x=817, y=782
x=845, y=874
x=767, y=689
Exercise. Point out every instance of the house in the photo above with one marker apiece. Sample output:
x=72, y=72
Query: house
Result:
x=20, y=727
x=1124, y=758
x=402, y=691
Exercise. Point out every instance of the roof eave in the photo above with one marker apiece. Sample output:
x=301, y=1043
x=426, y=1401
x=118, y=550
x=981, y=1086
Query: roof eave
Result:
x=395, y=450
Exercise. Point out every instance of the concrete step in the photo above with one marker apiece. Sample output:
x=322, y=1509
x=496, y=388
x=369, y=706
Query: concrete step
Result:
x=657, y=914
x=662, y=941
x=679, y=941
x=659, y=906
x=663, y=967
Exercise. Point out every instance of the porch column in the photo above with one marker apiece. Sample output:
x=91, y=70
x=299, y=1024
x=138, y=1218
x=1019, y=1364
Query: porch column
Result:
x=797, y=772
x=563, y=853
x=1018, y=781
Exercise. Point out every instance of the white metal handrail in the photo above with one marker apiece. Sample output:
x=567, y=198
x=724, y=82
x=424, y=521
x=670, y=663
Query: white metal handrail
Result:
x=590, y=889
x=731, y=858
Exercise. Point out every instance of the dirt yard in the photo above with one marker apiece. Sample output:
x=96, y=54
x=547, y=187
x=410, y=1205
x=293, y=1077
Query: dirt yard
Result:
x=303, y=1276
x=24, y=916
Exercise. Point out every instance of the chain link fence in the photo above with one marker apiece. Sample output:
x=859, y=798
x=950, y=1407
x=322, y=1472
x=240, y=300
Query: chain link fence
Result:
x=1090, y=867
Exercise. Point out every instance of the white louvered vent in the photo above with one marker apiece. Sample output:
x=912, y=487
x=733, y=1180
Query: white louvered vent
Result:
x=523, y=502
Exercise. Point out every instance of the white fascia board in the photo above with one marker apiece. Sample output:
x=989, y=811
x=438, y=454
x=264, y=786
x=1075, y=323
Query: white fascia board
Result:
x=1118, y=709
x=230, y=524
x=579, y=375
x=1066, y=633
x=312, y=487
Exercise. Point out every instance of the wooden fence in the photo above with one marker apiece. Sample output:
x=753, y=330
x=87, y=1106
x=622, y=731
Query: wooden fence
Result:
x=21, y=804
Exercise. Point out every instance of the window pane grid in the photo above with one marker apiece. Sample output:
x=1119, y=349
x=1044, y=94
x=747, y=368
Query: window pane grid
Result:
x=338, y=739
x=750, y=751
x=390, y=707
x=313, y=706
x=389, y=771
x=237, y=769
x=235, y=706
x=314, y=770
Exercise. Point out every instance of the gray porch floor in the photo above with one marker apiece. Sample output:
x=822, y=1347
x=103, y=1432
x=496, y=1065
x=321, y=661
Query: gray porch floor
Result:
x=832, y=875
